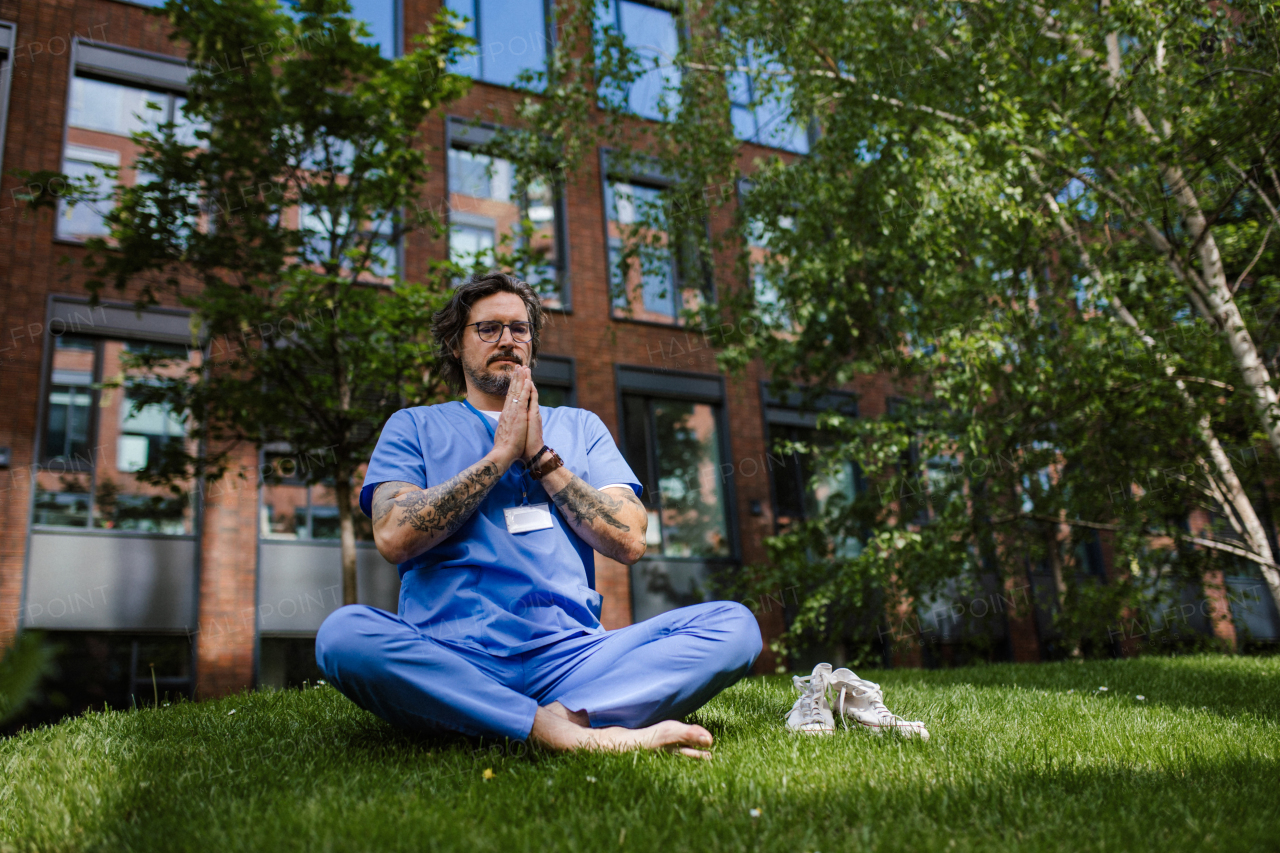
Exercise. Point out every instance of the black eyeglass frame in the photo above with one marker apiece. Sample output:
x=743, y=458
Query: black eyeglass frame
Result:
x=504, y=326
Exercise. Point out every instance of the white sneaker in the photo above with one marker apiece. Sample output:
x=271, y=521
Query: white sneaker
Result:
x=863, y=702
x=811, y=715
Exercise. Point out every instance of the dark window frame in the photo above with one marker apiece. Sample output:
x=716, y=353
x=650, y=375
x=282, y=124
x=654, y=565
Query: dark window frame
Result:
x=123, y=66
x=649, y=174
x=558, y=371
x=549, y=34
x=466, y=135
x=679, y=14
x=790, y=411
x=8, y=41
x=105, y=321
x=630, y=380
x=809, y=128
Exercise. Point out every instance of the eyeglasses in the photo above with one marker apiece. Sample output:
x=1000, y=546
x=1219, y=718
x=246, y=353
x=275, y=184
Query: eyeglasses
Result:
x=490, y=331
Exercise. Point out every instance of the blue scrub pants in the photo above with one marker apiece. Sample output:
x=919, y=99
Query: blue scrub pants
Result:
x=659, y=669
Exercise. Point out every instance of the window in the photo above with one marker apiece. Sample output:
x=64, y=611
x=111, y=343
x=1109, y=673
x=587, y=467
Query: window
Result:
x=96, y=441
x=103, y=113
x=650, y=31
x=797, y=494
x=658, y=281
x=380, y=17
x=7, y=35
x=294, y=511
x=761, y=106
x=554, y=377
x=511, y=38
x=500, y=218
x=675, y=448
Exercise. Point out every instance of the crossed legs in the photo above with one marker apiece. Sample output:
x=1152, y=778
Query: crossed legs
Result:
x=620, y=690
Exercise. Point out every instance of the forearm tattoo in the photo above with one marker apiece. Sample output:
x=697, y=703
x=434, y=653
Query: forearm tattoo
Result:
x=440, y=510
x=588, y=504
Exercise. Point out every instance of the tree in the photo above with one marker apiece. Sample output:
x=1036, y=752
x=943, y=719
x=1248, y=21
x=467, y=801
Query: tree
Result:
x=274, y=211
x=1052, y=225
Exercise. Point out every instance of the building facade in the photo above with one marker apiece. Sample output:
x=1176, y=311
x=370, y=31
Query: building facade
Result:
x=223, y=587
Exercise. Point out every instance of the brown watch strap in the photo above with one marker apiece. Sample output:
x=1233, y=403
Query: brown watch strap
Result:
x=549, y=464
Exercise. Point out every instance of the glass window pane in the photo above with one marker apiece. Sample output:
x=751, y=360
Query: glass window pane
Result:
x=648, y=289
x=635, y=439
x=134, y=439
x=471, y=246
x=651, y=33
x=497, y=217
x=324, y=515
x=69, y=403
x=101, y=118
x=553, y=395
x=115, y=108
x=380, y=18
x=62, y=498
x=467, y=65
x=513, y=36
x=692, y=491
x=86, y=217
x=283, y=514
x=744, y=123
x=788, y=484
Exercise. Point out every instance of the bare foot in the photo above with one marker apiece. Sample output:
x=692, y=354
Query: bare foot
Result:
x=557, y=732
x=669, y=736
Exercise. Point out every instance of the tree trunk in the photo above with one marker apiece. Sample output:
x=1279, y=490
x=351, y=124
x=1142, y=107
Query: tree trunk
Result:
x=1225, y=486
x=347, y=527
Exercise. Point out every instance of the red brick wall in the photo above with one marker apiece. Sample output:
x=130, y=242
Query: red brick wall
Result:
x=228, y=571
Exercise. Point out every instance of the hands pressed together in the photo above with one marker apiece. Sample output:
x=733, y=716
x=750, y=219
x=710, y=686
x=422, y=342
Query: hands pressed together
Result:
x=519, y=431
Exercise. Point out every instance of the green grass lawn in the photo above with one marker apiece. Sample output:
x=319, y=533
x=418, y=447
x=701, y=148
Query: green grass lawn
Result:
x=1017, y=761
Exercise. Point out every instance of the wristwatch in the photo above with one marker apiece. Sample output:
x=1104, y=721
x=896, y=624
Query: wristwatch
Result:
x=551, y=463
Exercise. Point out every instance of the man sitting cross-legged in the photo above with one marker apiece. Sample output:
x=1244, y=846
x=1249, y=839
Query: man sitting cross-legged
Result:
x=492, y=509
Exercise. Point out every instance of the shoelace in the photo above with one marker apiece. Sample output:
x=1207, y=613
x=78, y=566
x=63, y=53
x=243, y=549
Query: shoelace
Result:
x=874, y=696
x=808, y=701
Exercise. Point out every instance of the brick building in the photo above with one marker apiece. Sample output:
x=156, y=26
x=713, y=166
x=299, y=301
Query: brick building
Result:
x=225, y=589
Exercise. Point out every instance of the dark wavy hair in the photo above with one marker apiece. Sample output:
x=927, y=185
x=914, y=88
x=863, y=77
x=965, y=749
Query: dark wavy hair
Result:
x=448, y=324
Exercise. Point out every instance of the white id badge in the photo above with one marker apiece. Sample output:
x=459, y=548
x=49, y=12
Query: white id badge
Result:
x=522, y=519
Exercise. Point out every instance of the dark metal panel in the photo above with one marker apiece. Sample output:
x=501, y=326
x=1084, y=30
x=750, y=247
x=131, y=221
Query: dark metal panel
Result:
x=704, y=387
x=658, y=586
x=300, y=583
x=69, y=315
x=149, y=69
x=1254, y=611
x=553, y=370
x=464, y=132
x=110, y=582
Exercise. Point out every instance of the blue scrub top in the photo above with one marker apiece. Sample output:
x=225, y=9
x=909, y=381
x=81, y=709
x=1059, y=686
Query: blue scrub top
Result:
x=484, y=587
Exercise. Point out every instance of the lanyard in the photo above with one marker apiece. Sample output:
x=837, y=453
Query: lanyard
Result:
x=488, y=427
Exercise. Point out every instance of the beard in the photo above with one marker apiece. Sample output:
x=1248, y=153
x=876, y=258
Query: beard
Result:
x=493, y=382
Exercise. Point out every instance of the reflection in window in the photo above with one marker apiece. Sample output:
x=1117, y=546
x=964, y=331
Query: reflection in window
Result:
x=320, y=232
x=659, y=281
x=380, y=17
x=554, y=395
x=674, y=448
x=511, y=38
x=96, y=442
x=291, y=510
x=496, y=214
x=101, y=118
x=651, y=33
x=762, y=113
x=798, y=495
